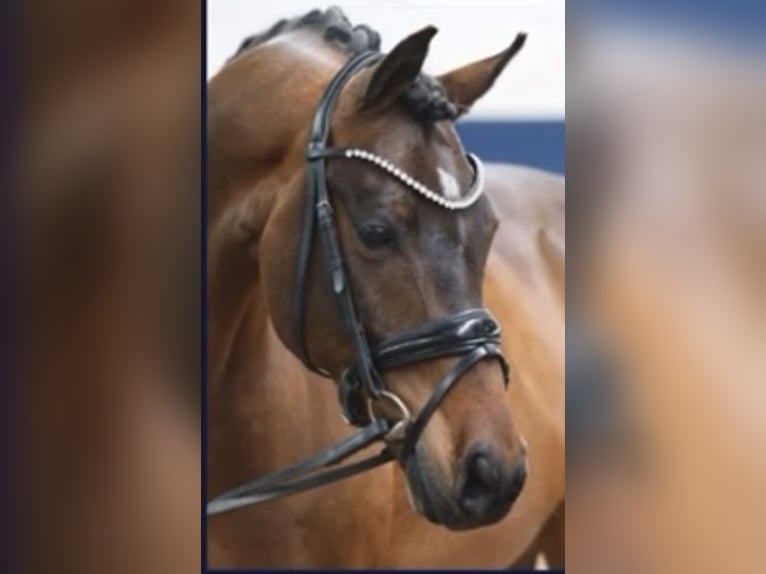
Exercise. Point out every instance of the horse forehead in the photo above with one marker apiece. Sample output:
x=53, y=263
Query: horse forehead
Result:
x=433, y=159
x=450, y=188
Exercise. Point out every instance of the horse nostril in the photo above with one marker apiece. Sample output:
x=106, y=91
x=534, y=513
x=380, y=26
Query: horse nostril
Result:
x=487, y=488
x=482, y=481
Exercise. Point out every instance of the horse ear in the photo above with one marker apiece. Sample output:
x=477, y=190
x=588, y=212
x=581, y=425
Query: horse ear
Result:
x=466, y=85
x=397, y=70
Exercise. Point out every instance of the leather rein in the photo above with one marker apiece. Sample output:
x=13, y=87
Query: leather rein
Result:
x=471, y=335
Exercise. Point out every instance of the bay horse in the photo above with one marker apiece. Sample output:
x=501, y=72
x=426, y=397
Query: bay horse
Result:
x=484, y=485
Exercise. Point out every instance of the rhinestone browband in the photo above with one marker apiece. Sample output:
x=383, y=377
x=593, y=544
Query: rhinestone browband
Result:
x=477, y=188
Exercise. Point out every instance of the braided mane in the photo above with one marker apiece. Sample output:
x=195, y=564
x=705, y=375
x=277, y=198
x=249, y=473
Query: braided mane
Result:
x=425, y=98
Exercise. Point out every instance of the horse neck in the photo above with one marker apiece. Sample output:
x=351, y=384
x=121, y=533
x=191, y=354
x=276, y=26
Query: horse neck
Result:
x=251, y=376
x=268, y=410
x=246, y=172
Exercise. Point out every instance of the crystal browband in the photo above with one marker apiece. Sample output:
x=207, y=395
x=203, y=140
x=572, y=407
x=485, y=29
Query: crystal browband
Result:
x=474, y=193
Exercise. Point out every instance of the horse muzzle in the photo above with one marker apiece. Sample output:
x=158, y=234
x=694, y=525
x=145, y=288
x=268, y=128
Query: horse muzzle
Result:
x=482, y=493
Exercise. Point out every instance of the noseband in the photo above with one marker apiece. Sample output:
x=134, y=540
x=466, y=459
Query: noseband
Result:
x=470, y=335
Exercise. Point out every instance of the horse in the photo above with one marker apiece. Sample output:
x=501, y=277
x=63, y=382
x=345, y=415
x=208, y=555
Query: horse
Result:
x=483, y=485
x=106, y=419
x=670, y=257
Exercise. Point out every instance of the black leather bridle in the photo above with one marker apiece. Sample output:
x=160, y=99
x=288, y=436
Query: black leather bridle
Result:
x=471, y=336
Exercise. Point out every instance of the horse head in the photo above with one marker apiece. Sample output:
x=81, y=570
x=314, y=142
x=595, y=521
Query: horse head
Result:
x=408, y=259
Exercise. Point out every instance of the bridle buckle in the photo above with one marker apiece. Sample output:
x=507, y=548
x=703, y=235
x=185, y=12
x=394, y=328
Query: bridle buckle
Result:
x=398, y=432
x=399, y=428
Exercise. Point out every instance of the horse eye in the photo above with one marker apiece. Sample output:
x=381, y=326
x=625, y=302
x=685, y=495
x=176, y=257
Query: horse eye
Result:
x=376, y=235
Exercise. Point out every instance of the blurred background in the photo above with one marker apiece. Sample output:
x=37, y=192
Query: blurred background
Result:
x=666, y=314
x=105, y=287
x=521, y=120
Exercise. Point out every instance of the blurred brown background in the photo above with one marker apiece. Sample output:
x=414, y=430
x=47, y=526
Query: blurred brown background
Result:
x=109, y=224
x=666, y=403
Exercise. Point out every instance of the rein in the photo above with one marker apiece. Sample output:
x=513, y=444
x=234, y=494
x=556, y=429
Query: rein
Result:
x=471, y=335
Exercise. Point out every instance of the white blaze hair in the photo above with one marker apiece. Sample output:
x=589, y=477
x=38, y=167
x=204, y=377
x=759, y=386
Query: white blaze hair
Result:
x=450, y=187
